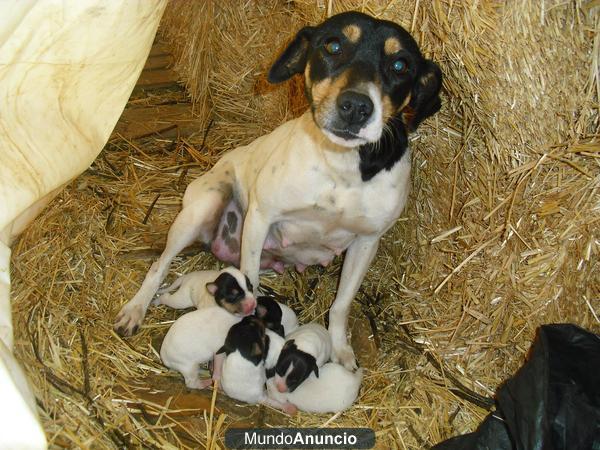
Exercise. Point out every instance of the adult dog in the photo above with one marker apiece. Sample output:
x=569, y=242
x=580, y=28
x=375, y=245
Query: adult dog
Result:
x=333, y=180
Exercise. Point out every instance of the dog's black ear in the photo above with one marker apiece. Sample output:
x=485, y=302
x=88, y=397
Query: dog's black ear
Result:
x=316, y=369
x=224, y=349
x=425, y=99
x=293, y=59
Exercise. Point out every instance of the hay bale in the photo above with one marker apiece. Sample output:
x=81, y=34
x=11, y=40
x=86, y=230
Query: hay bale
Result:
x=500, y=234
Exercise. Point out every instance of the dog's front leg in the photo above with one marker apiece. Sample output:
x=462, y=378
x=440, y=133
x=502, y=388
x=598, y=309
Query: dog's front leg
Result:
x=357, y=261
x=254, y=234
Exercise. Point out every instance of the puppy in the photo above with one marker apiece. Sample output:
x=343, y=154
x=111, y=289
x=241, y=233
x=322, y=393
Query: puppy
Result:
x=305, y=350
x=333, y=180
x=334, y=390
x=194, y=339
x=243, y=373
x=276, y=316
x=228, y=288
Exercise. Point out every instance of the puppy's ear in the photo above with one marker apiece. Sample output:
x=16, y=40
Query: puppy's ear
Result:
x=280, y=330
x=316, y=370
x=293, y=59
x=211, y=288
x=260, y=311
x=425, y=99
x=267, y=345
x=288, y=344
x=224, y=349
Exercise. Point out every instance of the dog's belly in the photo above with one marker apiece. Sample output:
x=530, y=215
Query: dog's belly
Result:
x=304, y=243
x=300, y=241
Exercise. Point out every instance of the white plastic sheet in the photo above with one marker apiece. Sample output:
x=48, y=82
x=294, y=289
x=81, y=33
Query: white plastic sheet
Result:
x=67, y=69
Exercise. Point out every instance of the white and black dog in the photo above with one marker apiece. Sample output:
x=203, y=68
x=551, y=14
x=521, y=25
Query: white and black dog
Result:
x=333, y=180
x=227, y=288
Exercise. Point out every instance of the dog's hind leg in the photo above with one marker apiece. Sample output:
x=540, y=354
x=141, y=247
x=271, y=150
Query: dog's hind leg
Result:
x=198, y=219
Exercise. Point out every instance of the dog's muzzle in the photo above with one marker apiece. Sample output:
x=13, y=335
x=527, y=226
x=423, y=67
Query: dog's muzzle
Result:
x=356, y=118
x=354, y=109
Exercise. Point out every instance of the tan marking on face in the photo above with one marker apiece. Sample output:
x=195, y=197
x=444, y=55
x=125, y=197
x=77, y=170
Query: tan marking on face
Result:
x=319, y=91
x=233, y=308
x=307, y=79
x=324, y=96
x=352, y=32
x=391, y=46
x=405, y=102
x=388, y=109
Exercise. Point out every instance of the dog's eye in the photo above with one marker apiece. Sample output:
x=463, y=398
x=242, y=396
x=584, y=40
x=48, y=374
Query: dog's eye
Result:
x=333, y=47
x=400, y=66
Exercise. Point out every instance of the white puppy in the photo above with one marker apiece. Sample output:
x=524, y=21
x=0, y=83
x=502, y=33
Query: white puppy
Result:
x=305, y=350
x=194, y=339
x=334, y=390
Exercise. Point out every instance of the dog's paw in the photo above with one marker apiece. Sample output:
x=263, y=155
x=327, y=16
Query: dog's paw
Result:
x=129, y=319
x=344, y=355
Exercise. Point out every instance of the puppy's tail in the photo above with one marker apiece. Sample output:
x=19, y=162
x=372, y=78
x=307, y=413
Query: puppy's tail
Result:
x=172, y=287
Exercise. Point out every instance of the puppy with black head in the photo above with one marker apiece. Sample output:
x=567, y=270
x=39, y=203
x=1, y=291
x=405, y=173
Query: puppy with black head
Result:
x=334, y=390
x=333, y=180
x=305, y=350
x=246, y=349
x=228, y=288
x=276, y=316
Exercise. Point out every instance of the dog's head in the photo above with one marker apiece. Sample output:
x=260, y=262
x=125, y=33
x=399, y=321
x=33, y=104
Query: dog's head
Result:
x=232, y=290
x=361, y=74
x=249, y=338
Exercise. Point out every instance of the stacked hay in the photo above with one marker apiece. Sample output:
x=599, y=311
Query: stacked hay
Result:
x=500, y=234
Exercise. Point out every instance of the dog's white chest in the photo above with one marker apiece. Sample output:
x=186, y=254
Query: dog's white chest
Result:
x=327, y=211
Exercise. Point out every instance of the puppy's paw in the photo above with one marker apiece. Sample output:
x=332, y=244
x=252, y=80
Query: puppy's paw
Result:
x=199, y=383
x=129, y=319
x=289, y=408
x=345, y=356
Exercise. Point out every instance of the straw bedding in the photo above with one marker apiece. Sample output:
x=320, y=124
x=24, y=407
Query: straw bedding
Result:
x=500, y=234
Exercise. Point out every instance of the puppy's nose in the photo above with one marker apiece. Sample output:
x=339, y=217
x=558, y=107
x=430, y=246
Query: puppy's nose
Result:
x=354, y=108
x=249, y=305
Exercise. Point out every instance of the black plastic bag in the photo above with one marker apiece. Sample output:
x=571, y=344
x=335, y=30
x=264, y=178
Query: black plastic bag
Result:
x=551, y=403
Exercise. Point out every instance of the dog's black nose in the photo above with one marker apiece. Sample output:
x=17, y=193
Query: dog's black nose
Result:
x=354, y=108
